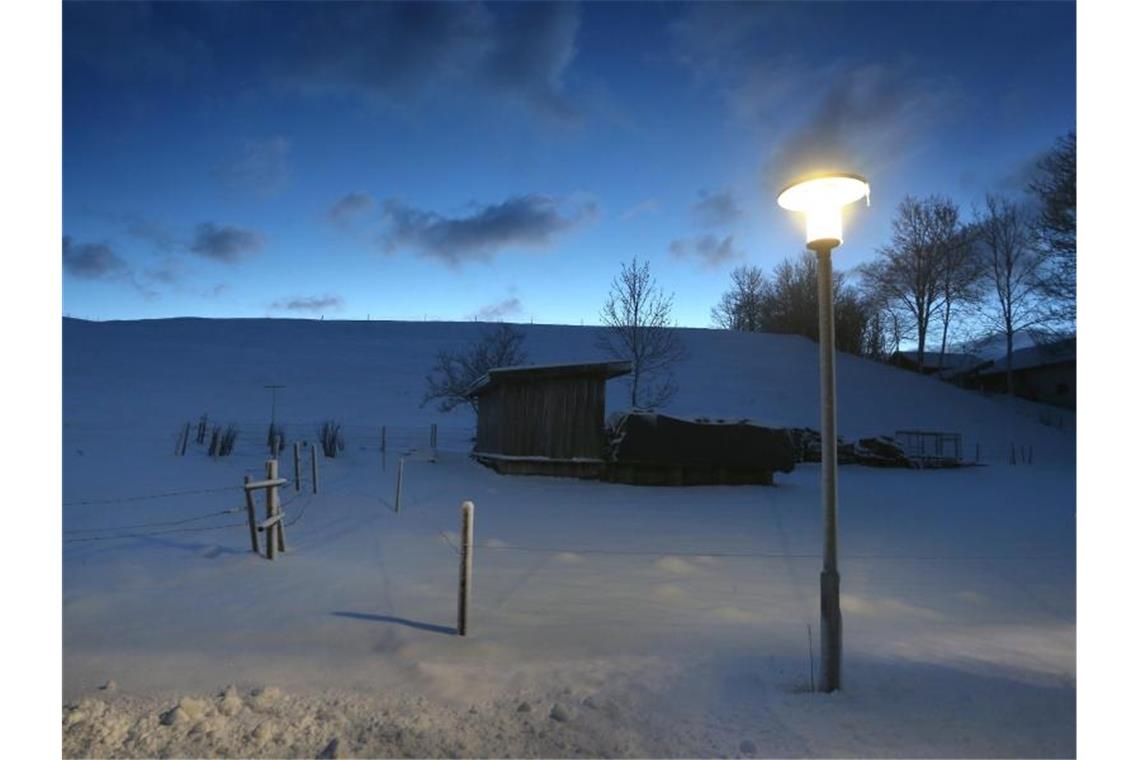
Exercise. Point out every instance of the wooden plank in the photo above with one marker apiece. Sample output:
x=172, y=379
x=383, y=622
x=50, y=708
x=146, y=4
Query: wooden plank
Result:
x=252, y=514
x=259, y=484
x=270, y=522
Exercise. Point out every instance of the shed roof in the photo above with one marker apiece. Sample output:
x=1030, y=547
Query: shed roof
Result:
x=499, y=375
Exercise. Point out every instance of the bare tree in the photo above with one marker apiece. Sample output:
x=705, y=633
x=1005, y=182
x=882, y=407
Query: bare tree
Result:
x=789, y=304
x=741, y=307
x=1055, y=227
x=638, y=327
x=1012, y=274
x=960, y=279
x=909, y=271
x=454, y=372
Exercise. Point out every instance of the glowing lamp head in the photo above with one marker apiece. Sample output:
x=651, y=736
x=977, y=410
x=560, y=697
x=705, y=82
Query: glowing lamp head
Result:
x=821, y=198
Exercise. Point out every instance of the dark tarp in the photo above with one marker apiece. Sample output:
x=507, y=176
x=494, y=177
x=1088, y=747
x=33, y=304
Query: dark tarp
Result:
x=656, y=439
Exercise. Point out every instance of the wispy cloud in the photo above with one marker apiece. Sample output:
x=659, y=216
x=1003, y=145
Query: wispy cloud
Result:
x=647, y=206
x=400, y=52
x=225, y=243
x=716, y=209
x=526, y=221
x=308, y=303
x=157, y=234
x=711, y=251
x=864, y=114
x=508, y=307
x=867, y=117
x=260, y=167
x=349, y=208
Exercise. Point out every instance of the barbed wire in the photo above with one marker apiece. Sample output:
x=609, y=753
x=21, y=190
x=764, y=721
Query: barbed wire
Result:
x=156, y=524
x=148, y=497
x=153, y=533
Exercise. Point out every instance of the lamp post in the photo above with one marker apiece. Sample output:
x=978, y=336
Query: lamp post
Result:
x=821, y=199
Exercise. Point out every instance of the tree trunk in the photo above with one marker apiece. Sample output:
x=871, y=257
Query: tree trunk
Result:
x=945, y=329
x=1009, y=361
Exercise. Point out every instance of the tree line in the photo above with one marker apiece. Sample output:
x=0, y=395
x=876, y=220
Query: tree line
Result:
x=942, y=278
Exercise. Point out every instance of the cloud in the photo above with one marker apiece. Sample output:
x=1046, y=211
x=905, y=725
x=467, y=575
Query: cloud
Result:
x=867, y=117
x=224, y=243
x=348, y=208
x=716, y=209
x=260, y=167
x=647, y=206
x=400, y=52
x=308, y=303
x=838, y=114
x=93, y=261
x=169, y=272
x=150, y=231
x=532, y=47
x=132, y=42
x=497, y=311
x=525, y=221
x=710, y=250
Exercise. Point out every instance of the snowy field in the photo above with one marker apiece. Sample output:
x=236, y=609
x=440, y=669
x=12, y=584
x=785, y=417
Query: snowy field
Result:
x=607, y=619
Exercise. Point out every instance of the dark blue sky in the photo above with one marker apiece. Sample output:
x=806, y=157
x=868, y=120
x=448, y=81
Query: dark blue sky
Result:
x=500, y=160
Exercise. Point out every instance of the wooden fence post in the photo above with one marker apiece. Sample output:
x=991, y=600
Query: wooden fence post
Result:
x=270, y=474
x=272, y=509
x=296, y=466
x=185, y=439
x=467, y=531
x=383, y=438
x=252, y=517
x=399, y=484
x=313, y=459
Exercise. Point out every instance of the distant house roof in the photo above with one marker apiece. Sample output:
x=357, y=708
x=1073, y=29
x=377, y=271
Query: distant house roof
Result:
x=494, y=377
x=1058, y=352
x=946, y=363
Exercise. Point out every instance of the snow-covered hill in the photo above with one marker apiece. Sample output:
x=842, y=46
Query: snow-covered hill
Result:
x=660, y=621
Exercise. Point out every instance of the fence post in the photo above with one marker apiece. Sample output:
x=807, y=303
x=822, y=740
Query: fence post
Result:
x=252, y=517
x=434, y=430
x=467, y=531
x=313, y=456
x=270, y=494
x=399, y=483
x=185, y=439
x=296, y=466
x=383, y=438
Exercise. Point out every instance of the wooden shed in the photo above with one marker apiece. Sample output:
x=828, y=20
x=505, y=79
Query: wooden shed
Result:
x=544, y=420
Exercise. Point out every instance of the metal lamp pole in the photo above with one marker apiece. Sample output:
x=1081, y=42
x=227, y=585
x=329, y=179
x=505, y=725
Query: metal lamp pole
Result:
x=822, y=198
x=831, y=620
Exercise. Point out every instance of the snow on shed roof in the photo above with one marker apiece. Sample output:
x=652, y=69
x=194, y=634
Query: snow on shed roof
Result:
x=606, y=370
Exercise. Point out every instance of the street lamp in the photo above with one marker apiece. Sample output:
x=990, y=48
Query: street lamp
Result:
x=821, y=198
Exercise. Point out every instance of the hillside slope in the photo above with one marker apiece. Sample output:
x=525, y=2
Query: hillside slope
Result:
x=606, y=620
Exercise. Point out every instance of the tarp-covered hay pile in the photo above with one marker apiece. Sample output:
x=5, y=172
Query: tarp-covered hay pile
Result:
x=653, y=449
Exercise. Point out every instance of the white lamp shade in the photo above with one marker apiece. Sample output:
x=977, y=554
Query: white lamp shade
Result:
x=821, y=199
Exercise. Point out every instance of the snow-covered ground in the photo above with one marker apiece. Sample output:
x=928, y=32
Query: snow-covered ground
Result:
x=607, y=619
